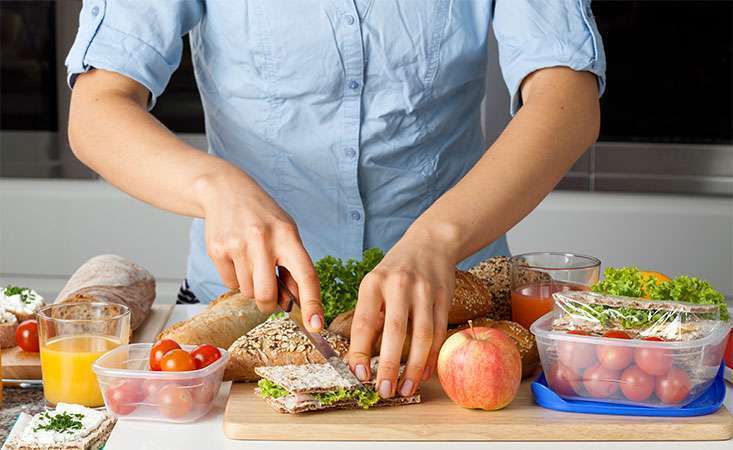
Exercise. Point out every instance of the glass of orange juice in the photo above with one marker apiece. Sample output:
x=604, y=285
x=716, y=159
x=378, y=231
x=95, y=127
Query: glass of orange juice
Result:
x=536, y=276
x=72, y=336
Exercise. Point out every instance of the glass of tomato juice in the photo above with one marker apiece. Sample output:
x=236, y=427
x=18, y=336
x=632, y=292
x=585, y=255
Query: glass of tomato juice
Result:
x=536, y=276
x=72, y=336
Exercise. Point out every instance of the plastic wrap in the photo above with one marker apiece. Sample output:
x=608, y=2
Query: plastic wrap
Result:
x=639, y=318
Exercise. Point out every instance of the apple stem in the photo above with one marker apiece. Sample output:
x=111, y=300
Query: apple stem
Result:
x=470, y=324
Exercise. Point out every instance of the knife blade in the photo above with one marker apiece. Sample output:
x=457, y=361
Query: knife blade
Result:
x=287, y=302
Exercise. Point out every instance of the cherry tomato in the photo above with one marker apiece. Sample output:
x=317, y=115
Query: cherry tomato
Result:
x=600, y=381
x=26, y=336
x=174, y=401
x=123, y=398
x=636, y=384
x=205, y=355
x=159, y=349
x=612, y=356
x=673, y=387
x=654, y=361
x=576, y=355
x=564, y=380
x=150, y=388
x=203, y=393
x=177, y=360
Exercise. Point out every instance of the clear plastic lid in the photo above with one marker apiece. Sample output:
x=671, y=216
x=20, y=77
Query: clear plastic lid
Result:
x=640, y=318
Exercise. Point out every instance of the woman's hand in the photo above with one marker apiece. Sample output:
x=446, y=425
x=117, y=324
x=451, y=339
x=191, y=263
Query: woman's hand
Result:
x=412, y=285
x=247, y=235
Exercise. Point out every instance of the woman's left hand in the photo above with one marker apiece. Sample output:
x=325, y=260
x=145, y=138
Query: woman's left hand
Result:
x=412, y=285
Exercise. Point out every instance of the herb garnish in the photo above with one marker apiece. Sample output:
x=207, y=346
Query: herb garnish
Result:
x=15, y=290
x=62, y=422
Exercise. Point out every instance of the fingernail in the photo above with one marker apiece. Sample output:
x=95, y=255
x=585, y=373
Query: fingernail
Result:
x=427, y=373
x=360, y=372
x=316, y=322
x=385, y=389
x=406, y=388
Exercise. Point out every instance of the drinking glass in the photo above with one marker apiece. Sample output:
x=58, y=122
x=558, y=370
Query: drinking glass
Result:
x=72, y=336
x=536, y=276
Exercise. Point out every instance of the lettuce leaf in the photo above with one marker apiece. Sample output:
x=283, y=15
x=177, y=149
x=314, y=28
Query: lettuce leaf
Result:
x=270, y=389
x=340, y=281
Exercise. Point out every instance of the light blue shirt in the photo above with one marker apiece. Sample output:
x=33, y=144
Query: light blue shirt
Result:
x=354, y=115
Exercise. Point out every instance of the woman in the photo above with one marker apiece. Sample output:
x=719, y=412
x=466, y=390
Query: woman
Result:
x=335, y=126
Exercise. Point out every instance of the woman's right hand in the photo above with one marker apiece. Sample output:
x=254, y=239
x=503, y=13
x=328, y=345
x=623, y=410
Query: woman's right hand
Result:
x=247, y=235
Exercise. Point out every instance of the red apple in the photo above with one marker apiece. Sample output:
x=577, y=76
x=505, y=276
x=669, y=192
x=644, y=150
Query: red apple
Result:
x=480, y=368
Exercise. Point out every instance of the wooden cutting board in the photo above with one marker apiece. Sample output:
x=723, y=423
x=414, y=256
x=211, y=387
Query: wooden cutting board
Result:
x=20, y=365
x=438, y=419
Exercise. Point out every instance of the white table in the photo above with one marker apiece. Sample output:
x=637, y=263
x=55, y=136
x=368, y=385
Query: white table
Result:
x=208, y=433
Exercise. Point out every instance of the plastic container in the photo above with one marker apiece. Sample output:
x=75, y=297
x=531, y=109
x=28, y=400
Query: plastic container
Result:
x=628, y=371
x=132, y=391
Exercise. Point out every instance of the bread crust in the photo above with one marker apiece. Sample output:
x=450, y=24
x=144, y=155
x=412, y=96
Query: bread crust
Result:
x=276, y=342
x=226, y=318
x=7, y=333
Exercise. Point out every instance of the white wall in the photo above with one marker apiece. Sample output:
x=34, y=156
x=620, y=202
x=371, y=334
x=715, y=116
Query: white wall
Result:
x=49, y=227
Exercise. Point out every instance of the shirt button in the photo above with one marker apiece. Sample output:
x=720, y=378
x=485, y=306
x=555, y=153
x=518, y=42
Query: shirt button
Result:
x=353, y=84
x=350, y=153
x=350, y=19
x=95, y=11
x=356, y=215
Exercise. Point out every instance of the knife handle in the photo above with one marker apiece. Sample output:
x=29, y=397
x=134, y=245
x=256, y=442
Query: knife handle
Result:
x=285, y=298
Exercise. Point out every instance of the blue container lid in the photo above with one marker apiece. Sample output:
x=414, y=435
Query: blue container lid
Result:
x=707, y=403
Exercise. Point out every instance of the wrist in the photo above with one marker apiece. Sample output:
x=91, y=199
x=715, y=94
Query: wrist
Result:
x=442, y=238
x=216, y=186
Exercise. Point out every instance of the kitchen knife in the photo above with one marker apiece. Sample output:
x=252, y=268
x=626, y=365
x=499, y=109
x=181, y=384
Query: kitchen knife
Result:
x=287, y=302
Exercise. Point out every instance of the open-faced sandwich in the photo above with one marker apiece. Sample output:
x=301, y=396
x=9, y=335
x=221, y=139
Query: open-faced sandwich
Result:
x=22, y=302
x=68, y=427
x=295, y=389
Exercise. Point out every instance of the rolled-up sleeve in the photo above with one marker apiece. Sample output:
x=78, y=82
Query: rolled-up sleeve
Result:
x=534, y=34
x=138, y=39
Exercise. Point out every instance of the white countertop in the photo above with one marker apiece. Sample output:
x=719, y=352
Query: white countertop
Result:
x=208, y=432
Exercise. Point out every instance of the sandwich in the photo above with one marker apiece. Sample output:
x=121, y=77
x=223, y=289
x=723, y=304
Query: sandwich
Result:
x=296, y=389
x=67, y=427
x=640, y=318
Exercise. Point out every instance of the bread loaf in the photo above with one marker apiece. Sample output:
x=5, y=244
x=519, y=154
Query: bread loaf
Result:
x=525, y=341
x=226, y=318
x=112, y=279
x=276, y=342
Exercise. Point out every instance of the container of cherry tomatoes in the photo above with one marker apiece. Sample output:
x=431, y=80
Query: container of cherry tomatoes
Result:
x=614, y=366
x=162, y=382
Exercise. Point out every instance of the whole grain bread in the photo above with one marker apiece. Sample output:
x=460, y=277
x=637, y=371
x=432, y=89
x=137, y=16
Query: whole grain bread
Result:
x=112, y=279
x=7, y=333
x=471, y=299
x=226, y=318
x=276, y=342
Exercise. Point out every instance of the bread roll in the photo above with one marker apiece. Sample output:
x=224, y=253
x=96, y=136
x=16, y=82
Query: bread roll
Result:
x=226, y=318
x=276, y=342
x=8, y=324
x=522, y=337
x=112, y=279
x=496, y=273
x=471, y=299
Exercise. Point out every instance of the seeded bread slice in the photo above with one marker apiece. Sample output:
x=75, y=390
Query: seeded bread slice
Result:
x=276, y=342
x=95, y=440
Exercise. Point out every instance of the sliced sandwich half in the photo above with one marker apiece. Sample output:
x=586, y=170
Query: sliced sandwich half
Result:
x=314, y=387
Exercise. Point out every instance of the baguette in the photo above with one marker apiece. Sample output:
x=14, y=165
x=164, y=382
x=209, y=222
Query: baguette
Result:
x=112, y=279
x=226, y=318
x=276, y=342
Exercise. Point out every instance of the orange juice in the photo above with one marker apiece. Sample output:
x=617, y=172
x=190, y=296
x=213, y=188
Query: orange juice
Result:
x=530, y=302
x=66, y=366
